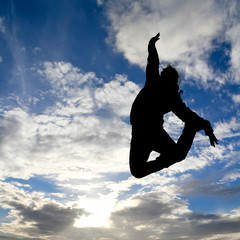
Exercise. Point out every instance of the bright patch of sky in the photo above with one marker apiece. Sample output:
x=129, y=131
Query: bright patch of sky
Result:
x=70, y=71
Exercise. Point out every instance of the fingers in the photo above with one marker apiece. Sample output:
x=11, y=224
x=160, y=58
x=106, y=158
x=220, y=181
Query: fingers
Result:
x=213, y=140
x=209, y=132
x=155, y=38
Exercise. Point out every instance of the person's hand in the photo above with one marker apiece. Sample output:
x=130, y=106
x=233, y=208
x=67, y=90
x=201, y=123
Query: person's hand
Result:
x=213, y=140
x=209, y=132
x=156, y=38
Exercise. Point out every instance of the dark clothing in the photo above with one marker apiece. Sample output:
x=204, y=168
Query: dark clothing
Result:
x=158, y=97
x=150, y=106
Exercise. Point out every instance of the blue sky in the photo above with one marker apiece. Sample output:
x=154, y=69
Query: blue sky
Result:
x=70, y=71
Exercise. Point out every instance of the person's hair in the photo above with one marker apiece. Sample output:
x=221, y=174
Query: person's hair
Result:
x=170, y=75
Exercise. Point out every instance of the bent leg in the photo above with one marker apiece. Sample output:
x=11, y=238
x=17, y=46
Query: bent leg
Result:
x=185, y=142
x=139, y=164
x=139, y=153
x=171, y=152
x=142, y=145
x=180, y=151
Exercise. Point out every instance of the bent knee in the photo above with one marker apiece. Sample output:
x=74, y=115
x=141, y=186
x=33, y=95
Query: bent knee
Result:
x=137, y=172
x=180, y=156
x=137, y=163
x=177, y=154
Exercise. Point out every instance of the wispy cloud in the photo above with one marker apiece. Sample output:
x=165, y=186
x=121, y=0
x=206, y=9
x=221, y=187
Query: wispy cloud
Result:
x=2, y=25
x=228, y=129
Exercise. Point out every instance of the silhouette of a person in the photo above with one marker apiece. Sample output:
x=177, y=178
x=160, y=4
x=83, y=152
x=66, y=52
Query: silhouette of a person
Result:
x=159, y=96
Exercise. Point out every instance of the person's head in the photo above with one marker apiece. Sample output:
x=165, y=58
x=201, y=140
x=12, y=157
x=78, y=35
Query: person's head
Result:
x=170, y=77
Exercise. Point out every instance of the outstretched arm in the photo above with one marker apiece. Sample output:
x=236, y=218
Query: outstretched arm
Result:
x=193, y=120
x=152, y=71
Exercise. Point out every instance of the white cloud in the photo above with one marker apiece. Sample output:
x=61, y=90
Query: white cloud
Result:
x=236, y=98
x=118, y=95
x=227, y=129
x=152, y=212
x=235, y=51
x=79, y=131
x=75, y=139
x=232, y=35
x=81, y=142
x=173, y=125
x=33, y=214
x=76, y=142
x=150, y=216
x=231, y=176
x=187, y=29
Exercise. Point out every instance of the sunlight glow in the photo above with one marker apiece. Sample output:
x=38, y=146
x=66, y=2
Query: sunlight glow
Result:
x=99, y=212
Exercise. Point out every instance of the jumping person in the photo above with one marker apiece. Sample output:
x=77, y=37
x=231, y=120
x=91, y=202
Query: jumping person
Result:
x=159, y=96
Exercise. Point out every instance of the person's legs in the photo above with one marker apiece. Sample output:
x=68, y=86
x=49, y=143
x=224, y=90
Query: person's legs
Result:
x=180, y=150
x=140, y=150
x=142, y=144
x=185, y=142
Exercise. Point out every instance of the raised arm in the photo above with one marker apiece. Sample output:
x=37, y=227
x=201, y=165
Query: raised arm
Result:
x=152, y=70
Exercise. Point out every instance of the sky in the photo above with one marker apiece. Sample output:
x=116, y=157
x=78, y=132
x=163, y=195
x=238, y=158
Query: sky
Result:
x=70, y=71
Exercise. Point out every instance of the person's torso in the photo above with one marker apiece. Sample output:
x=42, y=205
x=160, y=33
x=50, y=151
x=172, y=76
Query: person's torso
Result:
x=150, y=106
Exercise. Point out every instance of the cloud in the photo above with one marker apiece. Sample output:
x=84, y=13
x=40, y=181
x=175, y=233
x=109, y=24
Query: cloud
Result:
x=231, y=176
x=233, y=37
x=235, y=51
x=78, y=130
x=48, y=220
x=75, y=141
x=11, y=237
x=214, y=185
x=173, y=125
x=161, y=213
x=34, y=214
x=115, y=95
x=79, y=137
x=188, y=29
x=236, y=98
x=149, y=206
x=152, y=216
x=100, y=2
x=228, y=129
x=2, y=25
